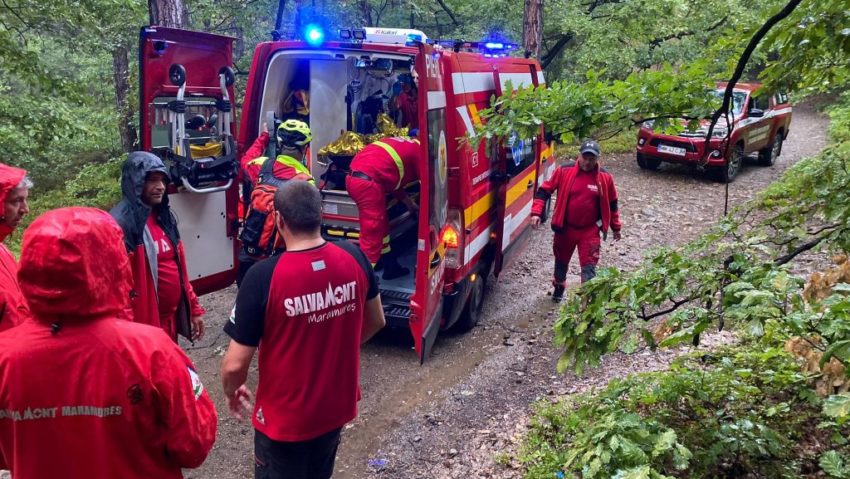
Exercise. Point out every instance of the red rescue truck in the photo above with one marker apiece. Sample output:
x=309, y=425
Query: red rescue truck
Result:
x=475, y=200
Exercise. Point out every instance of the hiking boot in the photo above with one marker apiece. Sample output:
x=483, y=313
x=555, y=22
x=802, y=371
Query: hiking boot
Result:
x=558, y=293
x=393, y=270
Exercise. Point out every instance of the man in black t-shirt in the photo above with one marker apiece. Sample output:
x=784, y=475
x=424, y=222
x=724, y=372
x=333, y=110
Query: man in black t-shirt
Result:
x=310, y=308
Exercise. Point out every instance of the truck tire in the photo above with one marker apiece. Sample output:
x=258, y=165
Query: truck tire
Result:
x=471, y=313
x=648, y=163
x=768, y=156
x=728, y=172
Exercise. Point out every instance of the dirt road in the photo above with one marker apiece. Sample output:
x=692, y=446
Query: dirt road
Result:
x=453, y=416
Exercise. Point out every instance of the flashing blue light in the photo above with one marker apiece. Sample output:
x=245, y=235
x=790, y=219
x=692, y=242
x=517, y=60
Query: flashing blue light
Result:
x=314, y=35
x=494, y=45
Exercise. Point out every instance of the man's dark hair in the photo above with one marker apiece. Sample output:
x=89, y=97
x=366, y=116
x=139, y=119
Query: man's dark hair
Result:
x=300, y=205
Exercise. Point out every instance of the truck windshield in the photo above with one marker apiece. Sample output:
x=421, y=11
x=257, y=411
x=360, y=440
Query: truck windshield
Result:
x=738, y=99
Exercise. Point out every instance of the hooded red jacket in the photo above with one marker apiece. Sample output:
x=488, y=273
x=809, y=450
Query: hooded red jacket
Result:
x=562, y=181
x=13, y=308
x=83, y=394
x=132, y=216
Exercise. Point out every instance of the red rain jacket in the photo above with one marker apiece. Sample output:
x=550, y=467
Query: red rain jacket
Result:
x=13, y=308
x=132, y=216
x=83, y=394
x=562, y=181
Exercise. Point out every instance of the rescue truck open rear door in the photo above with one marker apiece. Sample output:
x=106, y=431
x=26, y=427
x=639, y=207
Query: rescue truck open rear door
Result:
x=187, y=119
x=426, y=305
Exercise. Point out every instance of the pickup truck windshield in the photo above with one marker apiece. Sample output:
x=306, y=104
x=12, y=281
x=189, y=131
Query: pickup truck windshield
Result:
x=738, y=99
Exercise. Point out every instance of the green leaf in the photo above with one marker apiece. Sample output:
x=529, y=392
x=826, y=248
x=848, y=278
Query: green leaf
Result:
x=665, y=442
x=833, y=464
x=837, y=406
x=640, y=472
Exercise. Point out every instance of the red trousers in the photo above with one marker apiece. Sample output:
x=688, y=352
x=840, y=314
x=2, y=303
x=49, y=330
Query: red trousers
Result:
x=587, y=241
x=371, y=200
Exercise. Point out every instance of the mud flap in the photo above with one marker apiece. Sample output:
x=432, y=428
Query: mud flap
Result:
x=429, y=336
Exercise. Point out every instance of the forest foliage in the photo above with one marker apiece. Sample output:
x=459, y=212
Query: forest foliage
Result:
x=775, y=404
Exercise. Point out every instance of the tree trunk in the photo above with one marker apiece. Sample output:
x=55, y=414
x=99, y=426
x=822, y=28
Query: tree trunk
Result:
x=366, y=13
x=167, y=13
x=126, y=115
x=298, y=24
x=532, y=27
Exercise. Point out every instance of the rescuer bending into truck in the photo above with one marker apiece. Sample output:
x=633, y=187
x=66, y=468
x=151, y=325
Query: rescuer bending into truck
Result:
x=586, y=205
x=262, y=177
x=381, y=168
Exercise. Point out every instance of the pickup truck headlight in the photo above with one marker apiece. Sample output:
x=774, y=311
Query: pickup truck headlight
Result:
x=720, y=132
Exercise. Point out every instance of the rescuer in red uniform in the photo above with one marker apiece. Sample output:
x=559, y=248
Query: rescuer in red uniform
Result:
x=14, y=190
x=383, y=167
x=293, y=139
x=308, y=309
x=163, y=296
x=86, y=395
x=586, y=205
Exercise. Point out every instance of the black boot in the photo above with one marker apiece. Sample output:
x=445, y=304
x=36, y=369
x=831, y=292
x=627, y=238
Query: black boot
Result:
x=392, y=268
x=558, y=293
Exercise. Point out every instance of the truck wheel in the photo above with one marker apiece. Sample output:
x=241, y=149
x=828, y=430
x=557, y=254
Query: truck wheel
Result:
x=768, y=156
x=472, y=311
x=648, y=163
x=727, y=173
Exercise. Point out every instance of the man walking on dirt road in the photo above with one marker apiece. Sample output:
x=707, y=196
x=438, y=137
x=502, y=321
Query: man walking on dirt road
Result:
x=586, y=205
x=309, y=308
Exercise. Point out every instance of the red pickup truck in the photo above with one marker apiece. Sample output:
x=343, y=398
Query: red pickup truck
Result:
x=759, y=123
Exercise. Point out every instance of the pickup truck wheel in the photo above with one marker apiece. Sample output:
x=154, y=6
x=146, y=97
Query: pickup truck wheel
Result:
x=648, y=163
x=768, y=156
x=472, y=311
x=733, y=165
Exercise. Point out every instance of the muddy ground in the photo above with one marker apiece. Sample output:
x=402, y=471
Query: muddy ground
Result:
x=461, y=414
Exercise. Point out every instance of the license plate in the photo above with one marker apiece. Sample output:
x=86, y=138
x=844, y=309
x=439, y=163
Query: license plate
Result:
x=673, y=150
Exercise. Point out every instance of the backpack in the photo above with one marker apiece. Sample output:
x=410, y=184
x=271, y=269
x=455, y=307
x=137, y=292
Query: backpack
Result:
x=259, y=234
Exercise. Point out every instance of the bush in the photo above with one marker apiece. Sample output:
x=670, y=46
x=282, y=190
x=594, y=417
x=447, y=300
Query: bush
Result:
x=725, y=414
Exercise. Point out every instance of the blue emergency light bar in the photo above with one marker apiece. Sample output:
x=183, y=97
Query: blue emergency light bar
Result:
x=490, y=49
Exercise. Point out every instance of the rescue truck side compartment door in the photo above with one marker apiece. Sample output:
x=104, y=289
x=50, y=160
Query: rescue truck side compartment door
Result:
x=426, y=305
x=500, y=181
x=205, y=220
